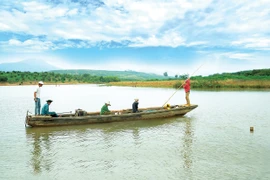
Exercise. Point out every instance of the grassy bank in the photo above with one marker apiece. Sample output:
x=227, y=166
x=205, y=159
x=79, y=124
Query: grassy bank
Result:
x=263, y=84
x=46, y=83
x=198, y=83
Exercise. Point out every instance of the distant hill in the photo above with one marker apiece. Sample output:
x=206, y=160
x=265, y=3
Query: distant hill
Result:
x=122, y=75
x=27, y=65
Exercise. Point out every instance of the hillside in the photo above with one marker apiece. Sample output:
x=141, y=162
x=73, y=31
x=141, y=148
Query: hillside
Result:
x=122, y=75
x=27, y=65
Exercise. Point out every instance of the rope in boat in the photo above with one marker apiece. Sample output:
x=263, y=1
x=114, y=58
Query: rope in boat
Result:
x=183, y=84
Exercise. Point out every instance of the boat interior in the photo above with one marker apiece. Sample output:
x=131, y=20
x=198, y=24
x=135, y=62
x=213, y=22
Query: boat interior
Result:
x=80, y=112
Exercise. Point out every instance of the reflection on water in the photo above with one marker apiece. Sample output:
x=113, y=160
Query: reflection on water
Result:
x=41, y=151
x=136, y=135
x=45, y=140
x=187, y=148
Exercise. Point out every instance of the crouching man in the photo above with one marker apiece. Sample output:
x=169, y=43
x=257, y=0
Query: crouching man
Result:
x=105, y=110
x=45, y=110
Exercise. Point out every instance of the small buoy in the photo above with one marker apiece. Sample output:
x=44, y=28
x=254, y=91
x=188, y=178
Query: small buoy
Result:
x=251, y=129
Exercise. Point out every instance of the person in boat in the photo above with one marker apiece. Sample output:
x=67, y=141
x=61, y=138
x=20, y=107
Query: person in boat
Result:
x=37, y=98
x=105, y=110
x=45, y=109
x=187, y=91
x=135, y=105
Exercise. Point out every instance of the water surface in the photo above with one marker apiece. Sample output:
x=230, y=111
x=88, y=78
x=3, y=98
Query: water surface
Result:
x=211, y=142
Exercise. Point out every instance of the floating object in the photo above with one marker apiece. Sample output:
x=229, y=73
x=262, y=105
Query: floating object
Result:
x=95, y=117
x=251, y=129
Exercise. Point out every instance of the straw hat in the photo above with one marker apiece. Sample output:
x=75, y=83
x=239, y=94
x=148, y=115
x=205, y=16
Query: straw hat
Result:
x=40, y=82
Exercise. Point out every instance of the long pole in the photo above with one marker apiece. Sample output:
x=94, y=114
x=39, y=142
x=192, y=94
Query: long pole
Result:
x=183, y=84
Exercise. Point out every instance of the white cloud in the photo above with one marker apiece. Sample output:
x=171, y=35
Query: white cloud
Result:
x=4, y=27
x=33, y=6
x=226, y=56
x=240, y=56
x=30, y=45
x=196, y=43
x=14, y=42
x=41, y=26
x=137, y=20
x=168, y=39
x=237, y=16
x=254, y=43
x=105, y=23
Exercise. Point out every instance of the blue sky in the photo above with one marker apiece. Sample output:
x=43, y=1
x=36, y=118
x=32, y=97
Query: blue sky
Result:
x=156, y=36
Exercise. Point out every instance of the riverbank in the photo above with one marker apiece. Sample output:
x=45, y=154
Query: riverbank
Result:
x=46, y=83
x=244, y=84
x=264, y=84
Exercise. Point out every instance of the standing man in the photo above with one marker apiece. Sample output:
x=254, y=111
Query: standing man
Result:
x=187, y=90
x=135, y=105
x=37, y=98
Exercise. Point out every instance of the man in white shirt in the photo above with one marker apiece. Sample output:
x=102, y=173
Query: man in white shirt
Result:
x=37, y=98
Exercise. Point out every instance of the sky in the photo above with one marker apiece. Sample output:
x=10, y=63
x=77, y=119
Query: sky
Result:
x=176, y=36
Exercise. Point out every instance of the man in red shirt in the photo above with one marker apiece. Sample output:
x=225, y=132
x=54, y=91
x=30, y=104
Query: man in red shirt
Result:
x=187, y=90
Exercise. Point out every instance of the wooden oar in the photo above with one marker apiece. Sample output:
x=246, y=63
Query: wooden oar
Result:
x=183, y=84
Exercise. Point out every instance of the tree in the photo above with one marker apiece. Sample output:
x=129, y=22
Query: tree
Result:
x=165, y=74
x=176, y=76
x=3, y=79
x=183, y=76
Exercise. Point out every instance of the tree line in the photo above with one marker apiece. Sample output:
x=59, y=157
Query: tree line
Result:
x=258, y=78
x=256, y=74
x=51, y=77
x=54, y=77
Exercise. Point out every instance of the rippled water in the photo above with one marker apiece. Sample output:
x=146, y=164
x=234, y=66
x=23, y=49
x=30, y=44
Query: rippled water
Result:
x=211, y=142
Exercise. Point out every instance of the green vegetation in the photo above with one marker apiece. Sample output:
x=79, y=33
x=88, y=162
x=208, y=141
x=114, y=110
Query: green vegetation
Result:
x=244, y=79
x=51, y=77
x=258, y=74
x=259, y=78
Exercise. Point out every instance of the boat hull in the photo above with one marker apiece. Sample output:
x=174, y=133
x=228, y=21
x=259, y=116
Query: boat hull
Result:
x=94, y=117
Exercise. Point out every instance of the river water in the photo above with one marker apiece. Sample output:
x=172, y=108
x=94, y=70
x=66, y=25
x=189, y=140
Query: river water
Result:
x=211, y=142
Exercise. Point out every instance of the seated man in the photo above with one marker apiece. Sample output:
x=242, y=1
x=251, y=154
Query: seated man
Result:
x=135, y=106
x=45, y=110
x=105, y=110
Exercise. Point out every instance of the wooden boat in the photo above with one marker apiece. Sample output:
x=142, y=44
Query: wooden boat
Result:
x=115, y=116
